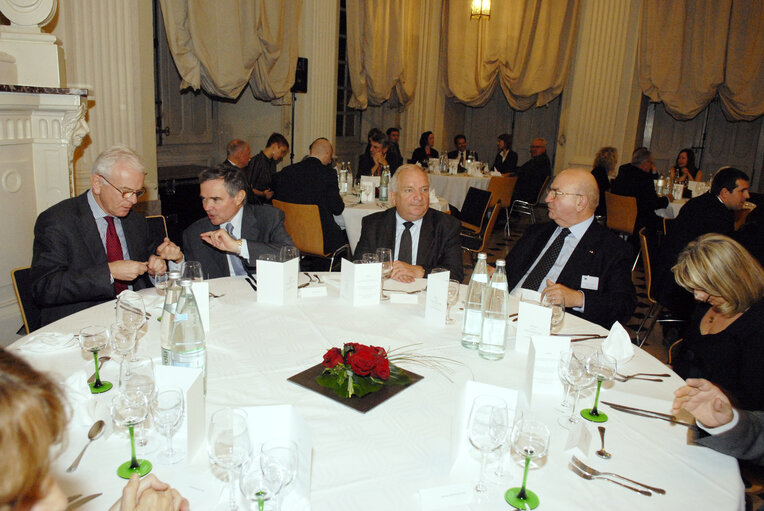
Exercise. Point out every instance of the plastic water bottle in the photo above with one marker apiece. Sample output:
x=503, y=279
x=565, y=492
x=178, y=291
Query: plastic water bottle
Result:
x=493, y=337
x=171, y=295
x=473, y=305
x=187, y=345
x=384, y=183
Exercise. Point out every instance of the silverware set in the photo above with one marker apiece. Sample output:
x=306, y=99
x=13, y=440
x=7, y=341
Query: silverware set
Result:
x=75, y=501
x=647, y=413
x=581, y=469
x=640, y=376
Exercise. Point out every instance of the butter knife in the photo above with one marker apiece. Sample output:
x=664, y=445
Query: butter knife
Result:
x=78, y=503
x=648, y=413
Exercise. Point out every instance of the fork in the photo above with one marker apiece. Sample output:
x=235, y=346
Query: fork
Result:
x=630, y=376
x=596, y=473
x=634, y=377
x=590, y=477
x=317, y=277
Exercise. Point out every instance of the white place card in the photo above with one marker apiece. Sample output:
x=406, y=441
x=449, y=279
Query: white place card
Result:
x=531, y=320
x=191, y=433
x=277, y=282
x=541, y=373
x=361, y=283
x=313, y=291
x=368, y=183
x=201, y=292
x=677, y=191
x=437, y=297
x=451, y=496
x=579, y=441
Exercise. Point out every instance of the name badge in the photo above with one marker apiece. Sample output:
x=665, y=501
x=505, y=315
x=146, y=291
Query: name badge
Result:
x=590, y=282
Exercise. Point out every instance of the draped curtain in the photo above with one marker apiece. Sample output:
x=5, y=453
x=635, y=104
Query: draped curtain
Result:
x=223, y=45
x=689, y=51
x=382, y=51
x=526, y=47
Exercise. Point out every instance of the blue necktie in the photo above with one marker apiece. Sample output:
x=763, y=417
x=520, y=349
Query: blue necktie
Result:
x=236, y=262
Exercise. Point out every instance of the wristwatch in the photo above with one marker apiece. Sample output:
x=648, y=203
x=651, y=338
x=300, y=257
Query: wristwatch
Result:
x=240, y=243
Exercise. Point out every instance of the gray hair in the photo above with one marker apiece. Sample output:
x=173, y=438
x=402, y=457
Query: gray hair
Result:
x=233, y=179
x=105, y=162
x=640, y=156
x=408, y=166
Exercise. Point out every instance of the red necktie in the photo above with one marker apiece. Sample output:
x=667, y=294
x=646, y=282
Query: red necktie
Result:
x=114, y=251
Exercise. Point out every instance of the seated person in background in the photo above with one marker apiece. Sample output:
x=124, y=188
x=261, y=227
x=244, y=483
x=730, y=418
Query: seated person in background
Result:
x=506, y=159
x=234, y=234
x=262, y=167
x=393, y=136
x=313, y=181
x=711, y=212
x=425, y=151
x=532, y=173
x=684, y=168
x=238, y=154
x=379, y=155
x=461, y=151
x=574, y=257
x=33, y=419
x=724, y=341
x=90, y=248
x=421, y=238
x=634, y=180
x=604, y=163
x=373, y=132
x=734, y=432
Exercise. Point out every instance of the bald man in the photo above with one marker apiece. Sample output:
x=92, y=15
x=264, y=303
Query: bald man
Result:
x=574, y=257
x=313, y=181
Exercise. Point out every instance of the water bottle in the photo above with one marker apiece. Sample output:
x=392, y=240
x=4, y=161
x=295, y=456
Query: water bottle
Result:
x=171, y=295
x=473, y=305
x=495, y=314
x=187, y=346
x=384, y=183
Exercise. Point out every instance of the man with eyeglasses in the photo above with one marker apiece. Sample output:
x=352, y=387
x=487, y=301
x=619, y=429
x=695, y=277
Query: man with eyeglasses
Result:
x=575, y=258
x=90, y=248
x=532, y=174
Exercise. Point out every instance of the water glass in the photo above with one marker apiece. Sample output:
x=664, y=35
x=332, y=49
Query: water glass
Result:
x=122, y=339
x=487, y=427
x=191, y=270
x=385, y=256
x=228, y=444
x=167, y=410
x=279, y=463
x=572, y=368
x=161, y=282
x=453, y=297
x=131, y=310
x=557, y=304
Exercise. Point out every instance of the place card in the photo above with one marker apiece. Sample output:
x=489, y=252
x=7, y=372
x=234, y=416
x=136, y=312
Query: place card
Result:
x=191, y=433
x=541, y=376
x=361, y=283
x=313, y=291
x=532, y=319
x=450, y=496
x=677, y=191
x=367, y=188
x=437, y=297
x=201, y=292
x=579, y=440
x=277, y=282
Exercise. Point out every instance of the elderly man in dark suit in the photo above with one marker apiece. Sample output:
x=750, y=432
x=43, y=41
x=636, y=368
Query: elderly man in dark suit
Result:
x=532, y=174
x=421, y=238
x=89, y=248
x=574, y=257
x=238, y=154
x=234, y=234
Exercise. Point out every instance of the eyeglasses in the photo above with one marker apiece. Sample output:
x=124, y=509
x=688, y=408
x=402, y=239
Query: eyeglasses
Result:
x=557, y=193
x=126, y=194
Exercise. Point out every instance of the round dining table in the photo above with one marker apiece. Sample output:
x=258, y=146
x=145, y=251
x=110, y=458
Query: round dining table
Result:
x=454, y=187
x=387, y=458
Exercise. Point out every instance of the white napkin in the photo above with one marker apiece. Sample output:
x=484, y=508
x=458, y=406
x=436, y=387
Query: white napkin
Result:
x=433, y=196
x=495, y=172
x=618, y=344
x=48, y=342
x=86, y=407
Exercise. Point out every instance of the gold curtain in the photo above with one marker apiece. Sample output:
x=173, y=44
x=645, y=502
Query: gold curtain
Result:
x=526, y=47
x=223, y=45
x=691, y=50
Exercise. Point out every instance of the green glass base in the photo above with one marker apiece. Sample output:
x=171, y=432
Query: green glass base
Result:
x=105, y=385
x=124, y=471
x=531, y=500
x=587, y=414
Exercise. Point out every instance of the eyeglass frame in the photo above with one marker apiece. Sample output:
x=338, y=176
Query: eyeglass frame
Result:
x=125, y=194
x=557, y=193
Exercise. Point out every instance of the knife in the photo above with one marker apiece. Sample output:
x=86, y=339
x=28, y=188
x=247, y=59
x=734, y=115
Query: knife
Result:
x=648, y=413
x=82, y=501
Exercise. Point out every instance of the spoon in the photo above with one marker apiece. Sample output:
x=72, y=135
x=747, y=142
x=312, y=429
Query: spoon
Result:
x=602, y=453
x=95, y=431
x=101, y=362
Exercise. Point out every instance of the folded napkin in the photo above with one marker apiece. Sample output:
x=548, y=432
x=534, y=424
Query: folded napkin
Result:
x=618, y=344
x=86, y=407
x=48, y=342
x=495, y=172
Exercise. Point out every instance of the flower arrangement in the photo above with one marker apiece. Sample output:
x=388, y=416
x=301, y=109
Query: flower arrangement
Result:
x=358, y=369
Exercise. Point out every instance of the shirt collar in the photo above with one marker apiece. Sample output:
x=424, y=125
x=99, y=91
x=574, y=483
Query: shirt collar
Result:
x=399, y=220
x=578, y=230
x=236, y=221
x=98, y=212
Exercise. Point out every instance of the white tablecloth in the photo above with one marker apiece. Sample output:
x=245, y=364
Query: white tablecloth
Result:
x=672, y=210
x=381, y=459
x=454, y=188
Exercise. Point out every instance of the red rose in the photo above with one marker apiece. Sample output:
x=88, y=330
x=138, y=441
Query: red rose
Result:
x=382, y=368
x=362, y=360
x=332, y=358
x=380, y=351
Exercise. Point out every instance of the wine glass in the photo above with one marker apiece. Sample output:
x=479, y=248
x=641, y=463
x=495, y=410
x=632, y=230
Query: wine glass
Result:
x=561, y=373
x=94, y=339
x=167, y=410
x=122, y=339
x=191, y=270
x=385, y=256
x=530, y=438
x=488, y=424
x=130, y=310
x=253, y=484
x=369, y=257
x=572, y=367
x=228, y=444
x=278, y=461
x=287, y=253
x=557, y=304
x=161, y=282
x=128, y=409
x=453, y=296
x=603, y=367
x=137, y=375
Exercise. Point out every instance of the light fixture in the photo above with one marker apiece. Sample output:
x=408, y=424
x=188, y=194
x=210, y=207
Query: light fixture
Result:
x=480, y=9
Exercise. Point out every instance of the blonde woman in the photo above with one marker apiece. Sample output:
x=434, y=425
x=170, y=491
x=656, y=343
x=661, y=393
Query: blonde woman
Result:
x=724, y=341
x=604, y=163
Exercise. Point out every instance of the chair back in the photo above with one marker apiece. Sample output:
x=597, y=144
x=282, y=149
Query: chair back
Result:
x=644, y=248
x=621, y=213
x=157, y=229
x=303, y=223
x=474, y=208
x=469, y=242
x=22, y=285
x=542, y=191
x=501, y=187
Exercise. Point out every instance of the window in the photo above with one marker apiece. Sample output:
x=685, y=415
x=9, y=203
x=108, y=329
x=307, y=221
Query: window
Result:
x=348, y=120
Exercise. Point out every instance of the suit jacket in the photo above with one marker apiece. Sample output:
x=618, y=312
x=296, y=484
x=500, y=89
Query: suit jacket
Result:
x=634, y=182
x=312, y=182
x=439, y=245
x=69, y=268
x=419, y=155
x=261, y=226
x=508, y=165
x=452, y=155
x=745, y=441
x=601, y=254
x=530, y=178
x=366, y=162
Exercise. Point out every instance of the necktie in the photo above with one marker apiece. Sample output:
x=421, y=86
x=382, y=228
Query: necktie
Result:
x=114, y=251
x=404, y=249
x=461, y=158
x=236, y=262
x=537, y=274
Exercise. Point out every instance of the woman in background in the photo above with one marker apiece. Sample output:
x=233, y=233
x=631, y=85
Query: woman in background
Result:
x=684, y=168
x=604, y=163
x=425, y=150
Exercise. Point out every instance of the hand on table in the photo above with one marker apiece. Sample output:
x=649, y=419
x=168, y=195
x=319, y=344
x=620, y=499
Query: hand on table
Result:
x=150, y=494
x=127, y=270
x=705, y=401
x=404, y=272
x=221, y=240
x=571, y=297
x=169, y=251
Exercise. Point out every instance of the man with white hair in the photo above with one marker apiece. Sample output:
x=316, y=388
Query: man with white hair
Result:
x=575, y=258
x=88, y=249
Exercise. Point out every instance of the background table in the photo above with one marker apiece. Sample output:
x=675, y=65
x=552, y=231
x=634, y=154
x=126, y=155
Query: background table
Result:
x=454, y=188
x=379, y=460
x=672, y=210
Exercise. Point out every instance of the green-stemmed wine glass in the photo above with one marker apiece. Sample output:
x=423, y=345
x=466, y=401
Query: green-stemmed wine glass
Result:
x=128, y=409
x=530, y=439
x=94, y=339
x=603, y=367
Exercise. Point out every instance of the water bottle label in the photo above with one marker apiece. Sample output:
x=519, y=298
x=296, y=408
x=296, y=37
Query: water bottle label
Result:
x=480, y=277
x=494, y=331
x=181, y=317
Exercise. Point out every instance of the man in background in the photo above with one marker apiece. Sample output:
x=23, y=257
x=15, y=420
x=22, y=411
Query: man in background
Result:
x=379, y=155
x=393, y=137
x=532, y=174
x=461, y=151
x=238, y=154
x=262, y=167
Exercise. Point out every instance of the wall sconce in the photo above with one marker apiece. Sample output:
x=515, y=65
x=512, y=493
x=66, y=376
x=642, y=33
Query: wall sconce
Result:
x=481, y=9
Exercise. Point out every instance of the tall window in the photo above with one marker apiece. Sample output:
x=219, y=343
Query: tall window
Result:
x=348, y=120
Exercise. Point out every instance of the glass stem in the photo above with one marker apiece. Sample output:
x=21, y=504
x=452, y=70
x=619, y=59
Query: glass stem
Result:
x=168, y=435
x=133, y=460
x=596, y=397
x=499, y=472
x=572, y=418
x=483, y=459
x=521, y=494
x=97, y=383
x=567, y=394
x=232, y=495
x=260, y=504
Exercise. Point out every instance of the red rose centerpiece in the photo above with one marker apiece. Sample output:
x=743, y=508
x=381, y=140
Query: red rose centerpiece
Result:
x=358, y=369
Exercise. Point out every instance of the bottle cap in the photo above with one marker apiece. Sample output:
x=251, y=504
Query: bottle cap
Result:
x=500, y=262
x=482, y=255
